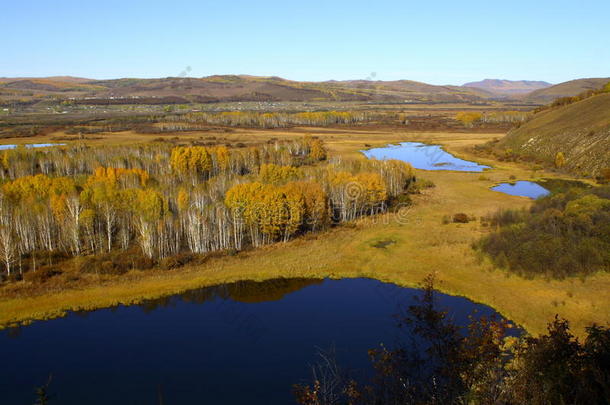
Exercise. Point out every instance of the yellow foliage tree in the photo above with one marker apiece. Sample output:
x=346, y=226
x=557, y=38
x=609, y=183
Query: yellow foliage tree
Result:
x=273, y=174
x=560, y=160
x=468, y=118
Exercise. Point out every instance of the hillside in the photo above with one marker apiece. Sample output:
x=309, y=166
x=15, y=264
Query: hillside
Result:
x=581, y=131
x=228, y=88
x=508, y=87
x=565, y=89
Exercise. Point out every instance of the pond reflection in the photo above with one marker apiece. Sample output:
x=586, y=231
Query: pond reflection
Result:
x=424, y=156
x=245, y=342
x=523, y=189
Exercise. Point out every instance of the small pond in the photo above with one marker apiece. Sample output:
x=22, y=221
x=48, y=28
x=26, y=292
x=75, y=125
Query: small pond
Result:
x=523, y=189
x=31, y=145
x=423, y=156
x=246, y=342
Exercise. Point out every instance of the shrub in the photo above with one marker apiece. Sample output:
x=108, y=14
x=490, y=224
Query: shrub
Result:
x=115, y=263
x=416, y=186
x=175, y=261
x=42, y=274
x=460, y=218
x=561, y=235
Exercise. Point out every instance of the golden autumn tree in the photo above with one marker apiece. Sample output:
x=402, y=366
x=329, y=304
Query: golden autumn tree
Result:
x=273, y=174
x=149, y=208
x=222, y=157
x=315, y=203
x=244, y=200
x=183, y=199
x=560, y=160
x=317, y=150
x=192, y=160
x=374, y=192
x=468, y=118
x=102, y=192
x=8, y=235
x=294, y=202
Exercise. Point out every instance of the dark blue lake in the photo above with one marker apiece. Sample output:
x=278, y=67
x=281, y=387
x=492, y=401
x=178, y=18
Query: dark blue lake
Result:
x=523, y=189
x=424, y=156
x=239, y=343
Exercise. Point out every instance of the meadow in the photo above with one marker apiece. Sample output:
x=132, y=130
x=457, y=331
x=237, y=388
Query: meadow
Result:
x=401, y=247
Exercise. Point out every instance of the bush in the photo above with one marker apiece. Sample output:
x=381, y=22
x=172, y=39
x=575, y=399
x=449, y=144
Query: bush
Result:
x=460, y=218
x=561, y=235
x=419, y=184
x=400, y=201
x=179, y=260
x=115, y=263
x=446, y=363
x=42, y=274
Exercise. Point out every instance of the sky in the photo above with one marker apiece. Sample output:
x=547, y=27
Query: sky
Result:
x=438, y=42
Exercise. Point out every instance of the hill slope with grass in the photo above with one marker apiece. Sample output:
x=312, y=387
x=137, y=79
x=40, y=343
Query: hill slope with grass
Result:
x=580, y=131
x=566, y=89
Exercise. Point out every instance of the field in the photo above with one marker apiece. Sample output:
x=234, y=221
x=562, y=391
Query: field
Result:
x=581, y=131
x=419, y=243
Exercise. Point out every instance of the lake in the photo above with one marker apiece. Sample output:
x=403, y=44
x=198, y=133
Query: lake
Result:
x=245, y=342
x=31, y=145
x=424, y=156
x=523, y=189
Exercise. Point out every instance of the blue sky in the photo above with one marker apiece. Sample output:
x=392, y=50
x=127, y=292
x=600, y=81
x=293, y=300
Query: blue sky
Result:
x=440, y=42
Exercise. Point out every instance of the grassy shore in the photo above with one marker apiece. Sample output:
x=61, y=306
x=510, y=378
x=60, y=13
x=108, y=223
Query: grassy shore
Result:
x=423, y=245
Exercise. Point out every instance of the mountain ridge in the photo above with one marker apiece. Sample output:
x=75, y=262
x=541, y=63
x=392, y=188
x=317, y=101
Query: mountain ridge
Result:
x=221, y=88
x=508, y=87
x=566, y=89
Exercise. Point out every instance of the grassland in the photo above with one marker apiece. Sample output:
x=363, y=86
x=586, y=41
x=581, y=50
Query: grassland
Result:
x=423, y=245
x=581, y=131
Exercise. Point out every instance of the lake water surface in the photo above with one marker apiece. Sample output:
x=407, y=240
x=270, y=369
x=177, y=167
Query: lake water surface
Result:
x=424, y=156
x=245, y=342
x=523, y=189
x=31, y=145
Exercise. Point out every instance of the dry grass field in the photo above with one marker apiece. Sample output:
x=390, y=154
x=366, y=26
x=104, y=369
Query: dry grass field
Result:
x=422, y=244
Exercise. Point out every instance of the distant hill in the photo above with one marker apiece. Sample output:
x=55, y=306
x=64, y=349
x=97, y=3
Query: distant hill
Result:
x=71, y=79
x=581, y=131
x=229, y=88
x=508, y=87
x=221, y=88
x=566, y=89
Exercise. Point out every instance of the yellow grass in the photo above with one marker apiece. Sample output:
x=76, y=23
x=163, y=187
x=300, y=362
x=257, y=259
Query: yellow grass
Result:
x=423, y=245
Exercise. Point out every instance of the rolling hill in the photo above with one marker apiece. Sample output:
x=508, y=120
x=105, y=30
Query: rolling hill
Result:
x=508, y=87
x=581, y=131
x=566, y=89
x=229, y=88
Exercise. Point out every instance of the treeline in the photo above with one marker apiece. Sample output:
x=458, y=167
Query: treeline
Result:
x=268, y=119
x=444, y=363
x=472, y=118
x=166, y=201
x=562, y=235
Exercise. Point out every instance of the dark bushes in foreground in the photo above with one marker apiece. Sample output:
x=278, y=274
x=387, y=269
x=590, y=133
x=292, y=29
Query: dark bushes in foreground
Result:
x=562, y=235
x=446, y=364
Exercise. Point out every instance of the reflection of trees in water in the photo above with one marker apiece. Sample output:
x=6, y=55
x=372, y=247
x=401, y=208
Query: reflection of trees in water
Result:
x=561, y=185
x=241, y=291
x=14, y=332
